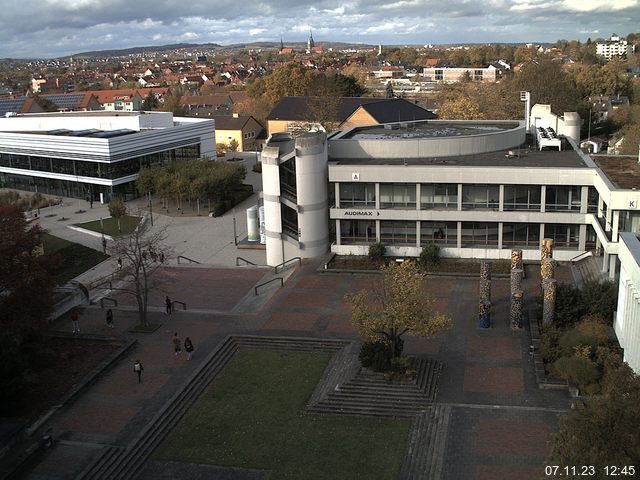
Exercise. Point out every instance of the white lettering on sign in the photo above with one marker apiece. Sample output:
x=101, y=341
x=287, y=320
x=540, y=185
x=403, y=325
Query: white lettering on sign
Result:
x=355, y=177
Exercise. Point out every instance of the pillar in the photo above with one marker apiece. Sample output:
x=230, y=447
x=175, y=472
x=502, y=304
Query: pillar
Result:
x=547, y=268
x=549, y=301
x=515, y=313
x=485, y=282
x=516, y=279
x=484, y=314
x=546, y=249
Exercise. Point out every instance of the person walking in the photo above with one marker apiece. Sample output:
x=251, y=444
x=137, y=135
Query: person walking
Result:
x=110, y=318
x=104, y=245
x=75, y=321
x=138, y=368
x=188, y=347
x=177, y=347
x=167, y=303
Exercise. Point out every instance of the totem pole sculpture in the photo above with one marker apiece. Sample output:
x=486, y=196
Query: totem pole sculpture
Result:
x=484, y=309
x=515, y=313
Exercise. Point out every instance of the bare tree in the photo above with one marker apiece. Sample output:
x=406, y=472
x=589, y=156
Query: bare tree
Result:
x=142, y=252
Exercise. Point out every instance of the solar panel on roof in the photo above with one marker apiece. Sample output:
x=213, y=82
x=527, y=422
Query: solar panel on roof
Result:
x=58, y=131
x=66, y=100
x=84, y=133
x=11, y=105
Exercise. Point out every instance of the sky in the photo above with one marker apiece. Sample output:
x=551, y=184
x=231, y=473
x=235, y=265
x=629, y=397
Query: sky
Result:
x=54, y=28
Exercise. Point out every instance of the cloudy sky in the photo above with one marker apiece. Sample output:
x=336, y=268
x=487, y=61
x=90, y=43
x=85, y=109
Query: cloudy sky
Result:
x=50, y=28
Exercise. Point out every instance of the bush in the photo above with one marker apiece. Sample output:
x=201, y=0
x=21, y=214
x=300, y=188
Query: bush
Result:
x=429, y=256
x=375, y=355
x=549, y=344
x=377, y=251
x=577, y=368
x=601, y=298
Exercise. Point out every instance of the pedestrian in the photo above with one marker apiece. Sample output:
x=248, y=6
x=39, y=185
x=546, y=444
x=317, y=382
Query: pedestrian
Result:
x=74, y=321
x=104, y=245
x=177, y=348
x=138, y=368
x=188, y=347
x=167, y=303
x=161, y=257
x=119, y=264
x=110, y=318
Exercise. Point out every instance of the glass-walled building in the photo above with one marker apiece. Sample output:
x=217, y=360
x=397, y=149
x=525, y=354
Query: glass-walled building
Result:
x=95, y=154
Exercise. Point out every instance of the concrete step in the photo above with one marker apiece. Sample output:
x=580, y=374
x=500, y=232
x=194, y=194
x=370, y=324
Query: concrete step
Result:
x=362, y=411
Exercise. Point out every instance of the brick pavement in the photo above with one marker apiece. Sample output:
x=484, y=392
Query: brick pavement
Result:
x=500, y=420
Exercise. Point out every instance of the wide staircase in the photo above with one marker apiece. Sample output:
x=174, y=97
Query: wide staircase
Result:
x=587, y=269
x=371, y=393
x=126, y=462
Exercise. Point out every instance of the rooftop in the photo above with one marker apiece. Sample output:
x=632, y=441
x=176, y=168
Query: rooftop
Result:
x=525, y=157
x=427, y=129
x=624, y=172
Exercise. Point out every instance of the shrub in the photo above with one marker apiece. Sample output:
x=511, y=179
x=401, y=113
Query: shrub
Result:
x=375, y=355
x=577, y=368
x=400, y=367
x=429, y=256
x=600, y=298
x=377, y=251
x=549, y=346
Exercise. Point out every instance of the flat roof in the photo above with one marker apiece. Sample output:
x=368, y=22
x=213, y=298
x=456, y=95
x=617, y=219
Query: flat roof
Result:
x=428, y=129
x=526, y=156
x=623, y=171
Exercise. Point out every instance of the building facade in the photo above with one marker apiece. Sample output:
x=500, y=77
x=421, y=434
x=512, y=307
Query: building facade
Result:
x=627, y=319
x=95, y=154
x=614, y=48
x=457, y=74
x=477, y=189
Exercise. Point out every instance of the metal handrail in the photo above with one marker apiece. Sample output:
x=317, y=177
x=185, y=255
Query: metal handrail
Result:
x=283, y=264
x=187, y=258
x=588, y=253
x=184, y=305
x=255, y=289
x=115, y=302
x=244, y=260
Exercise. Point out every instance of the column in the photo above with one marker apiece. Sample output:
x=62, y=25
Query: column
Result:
x=549, y=301
x=338, y=233
x=612, y=266
x=615, y=221
x=543, y=200
x=584, y=199
x=500, y=235
x=501, y=199
x=515, y=312
x=337, y=194
x=418, y=190
x=582, y=238
x=459, y=197
x=546, y=249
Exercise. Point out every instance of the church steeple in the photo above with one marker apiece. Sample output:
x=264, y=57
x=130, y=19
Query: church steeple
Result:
x=310, y=42
x=281, y=44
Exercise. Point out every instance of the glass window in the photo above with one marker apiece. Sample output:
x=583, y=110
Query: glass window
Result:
x=563, y=235
x=87, y=169
x=398, y=232
x=288, y=178
x=361, y=232
x=480, y=196
x=592, y=200
x=357, y=194
x=289, y=221
x=442, y=233
x=20, y=161
x=522, y=197
x=629, y=222
x=479, y=234
x=397, y=195
x=41, y=164
x=520, y=235
x=561, y=198
x=62, y=165
x=439, y=195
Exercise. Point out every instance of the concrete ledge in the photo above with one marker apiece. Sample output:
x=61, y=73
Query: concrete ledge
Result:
x=90, y=232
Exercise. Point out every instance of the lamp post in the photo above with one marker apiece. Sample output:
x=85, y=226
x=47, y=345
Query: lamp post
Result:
x=150, y=209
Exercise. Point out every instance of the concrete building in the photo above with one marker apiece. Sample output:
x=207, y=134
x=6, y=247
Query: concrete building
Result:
x=614, y=47
x=627, y=320
x=95, y=154
x=477, y=189
x=456, y=74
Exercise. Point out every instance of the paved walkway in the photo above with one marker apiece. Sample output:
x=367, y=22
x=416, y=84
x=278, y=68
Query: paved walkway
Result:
x=498, y=420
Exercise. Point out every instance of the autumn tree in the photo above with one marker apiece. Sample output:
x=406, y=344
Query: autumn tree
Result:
x=603, y=432
x=118, y=209
x=549, y=84
x=142, y=253
x=462, y=108
x=150, y=102
x=396, y=306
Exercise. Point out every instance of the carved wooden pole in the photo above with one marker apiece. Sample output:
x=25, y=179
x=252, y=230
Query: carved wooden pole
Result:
x=549, y=301
x=516, y=313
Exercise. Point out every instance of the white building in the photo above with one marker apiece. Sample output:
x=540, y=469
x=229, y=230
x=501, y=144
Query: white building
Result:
x=477, y=189
x=95, y=154
x=627, y=320
x=614, y=47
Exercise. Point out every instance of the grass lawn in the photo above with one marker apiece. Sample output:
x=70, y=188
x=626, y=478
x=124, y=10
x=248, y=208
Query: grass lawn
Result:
x=252, y=416
x=76, y=258
x=127, y=223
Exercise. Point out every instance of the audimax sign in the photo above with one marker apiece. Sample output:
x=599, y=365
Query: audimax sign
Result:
x=361, y=213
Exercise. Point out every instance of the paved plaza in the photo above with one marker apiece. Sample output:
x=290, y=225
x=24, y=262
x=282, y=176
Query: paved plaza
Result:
x=498, y=420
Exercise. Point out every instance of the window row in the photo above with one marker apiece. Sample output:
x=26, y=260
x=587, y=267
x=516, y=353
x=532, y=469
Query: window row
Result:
x=472, y=234
x=83, y=168
x=445, y=196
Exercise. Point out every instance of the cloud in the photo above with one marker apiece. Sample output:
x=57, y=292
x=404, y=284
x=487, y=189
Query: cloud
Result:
x=63, y=27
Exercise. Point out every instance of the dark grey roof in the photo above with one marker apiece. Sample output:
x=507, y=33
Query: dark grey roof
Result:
x=382, y=109
x=66, y=101
x=11, y=105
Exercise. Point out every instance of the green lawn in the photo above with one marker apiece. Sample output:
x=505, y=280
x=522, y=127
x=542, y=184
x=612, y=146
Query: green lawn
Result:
x=109, y=225
x=252, y=416
x=76, y=258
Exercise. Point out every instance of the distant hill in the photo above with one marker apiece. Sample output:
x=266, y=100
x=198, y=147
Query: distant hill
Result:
x=209, y=46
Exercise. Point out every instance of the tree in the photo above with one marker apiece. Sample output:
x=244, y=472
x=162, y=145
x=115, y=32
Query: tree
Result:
x=233, y=145
x=172, y=104
x=389, y=90
x=117, y=209
x=150, y=102
x=395, y=307
x=462, y=108
x=604, y=431
x=142, y=253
